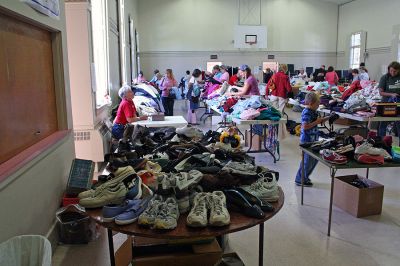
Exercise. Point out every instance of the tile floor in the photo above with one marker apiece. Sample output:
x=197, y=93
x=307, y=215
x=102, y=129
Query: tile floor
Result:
x=297, y=234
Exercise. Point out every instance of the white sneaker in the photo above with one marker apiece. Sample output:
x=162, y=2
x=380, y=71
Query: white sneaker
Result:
x=219, y=215
x=266, y=191
x=367, y=148
x=198, y=214
x=190, y=132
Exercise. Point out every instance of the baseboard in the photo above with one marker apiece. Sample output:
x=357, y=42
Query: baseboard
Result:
x=52, y=236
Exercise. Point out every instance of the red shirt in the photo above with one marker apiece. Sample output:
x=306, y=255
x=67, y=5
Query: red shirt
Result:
x=332, y=78
x=233, y=80
x=282, y=85
x=126, y=109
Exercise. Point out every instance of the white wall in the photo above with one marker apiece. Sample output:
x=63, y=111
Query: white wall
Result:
x=30, y=196
x=183, y=33
x=377, y=18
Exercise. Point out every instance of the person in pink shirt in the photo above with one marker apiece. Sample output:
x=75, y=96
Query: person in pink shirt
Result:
x=167, y=96
x=224, y=76
x=250, y=84
x=331, y=77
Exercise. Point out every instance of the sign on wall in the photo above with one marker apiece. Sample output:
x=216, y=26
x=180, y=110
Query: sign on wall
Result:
x=49, y=8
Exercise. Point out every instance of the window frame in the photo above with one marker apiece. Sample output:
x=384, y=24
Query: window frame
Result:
x=353, y=47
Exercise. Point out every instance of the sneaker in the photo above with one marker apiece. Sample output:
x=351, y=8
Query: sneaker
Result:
x=185, y=180
x=265, y=190
x=131, y=214
x=120, y=175
x=219, y=215
x=198, y=214
x=193, y=192
x=146, y=191
x=182, y=197
x=167, y=217
x=108, y=195
x=110, y=211
x=367, y=148
x=333, y=157
x=345, y=149
x=152, y=167
x=307, y=183
x=190, y=132
x=166, y=184
x=240, y=168
x=150, y=213
x=134, y=189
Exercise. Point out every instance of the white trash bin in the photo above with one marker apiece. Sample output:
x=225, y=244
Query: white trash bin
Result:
x=26, y=250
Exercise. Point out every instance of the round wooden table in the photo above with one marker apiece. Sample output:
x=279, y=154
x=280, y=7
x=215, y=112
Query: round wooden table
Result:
x=239, y=222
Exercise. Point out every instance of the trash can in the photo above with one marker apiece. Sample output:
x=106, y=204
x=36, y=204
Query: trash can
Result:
x=27, y=250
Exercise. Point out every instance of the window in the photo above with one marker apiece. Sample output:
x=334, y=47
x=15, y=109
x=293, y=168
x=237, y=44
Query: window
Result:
x=210, y=65
x=398, y=48
x=355, y=50
x=99, y=30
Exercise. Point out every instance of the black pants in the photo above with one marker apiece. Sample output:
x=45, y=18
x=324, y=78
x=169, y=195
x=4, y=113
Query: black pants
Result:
x=168, y=104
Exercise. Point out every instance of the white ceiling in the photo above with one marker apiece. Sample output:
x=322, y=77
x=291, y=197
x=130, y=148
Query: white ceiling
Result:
x=337, y=1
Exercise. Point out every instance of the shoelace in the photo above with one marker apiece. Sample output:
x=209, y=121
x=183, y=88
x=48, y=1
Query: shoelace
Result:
x=199, y=207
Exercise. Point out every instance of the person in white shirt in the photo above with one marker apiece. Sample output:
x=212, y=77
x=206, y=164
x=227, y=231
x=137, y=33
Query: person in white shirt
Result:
x=302, y=75
x=363, y=73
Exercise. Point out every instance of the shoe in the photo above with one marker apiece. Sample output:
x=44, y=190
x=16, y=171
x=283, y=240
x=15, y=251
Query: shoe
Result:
x=109, y=195
x=265, y=190
x=333, y=157
x=219, y=215
x=307, y=183
x=152, y=167
x=167, y=217
x=110, y=211
x=119, y=176
x=149, y=215
x=198, y=214
x=131, y=214
x=264, y=206
x=185, y=180
x=239, y=168
x=367, y=148
x=345, y=149
x=369, y=159
x=166, y=184
x=134, y=189
x=236, y=201
x=190, y=132
x=182, y=197
x=193, y=192
x=146, y=191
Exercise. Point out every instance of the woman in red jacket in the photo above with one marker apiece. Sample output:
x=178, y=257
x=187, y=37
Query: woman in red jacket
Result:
x=278, y=88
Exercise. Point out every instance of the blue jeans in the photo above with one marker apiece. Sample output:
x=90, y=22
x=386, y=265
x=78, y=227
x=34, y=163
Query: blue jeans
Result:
x=382, y=128
x=309, y=166
x=118, y=131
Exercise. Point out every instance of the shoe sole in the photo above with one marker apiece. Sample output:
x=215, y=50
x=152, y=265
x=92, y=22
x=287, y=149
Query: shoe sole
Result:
x=335, y=162
x=299, y=185
x=219, y=223
x=163, y=227
x=99, y=205
x=145, y=222
x=123, y=222
x=196, y=224
x=108, y=220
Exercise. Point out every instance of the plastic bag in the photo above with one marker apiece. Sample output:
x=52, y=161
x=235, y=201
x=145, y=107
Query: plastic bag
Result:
x=27, y=250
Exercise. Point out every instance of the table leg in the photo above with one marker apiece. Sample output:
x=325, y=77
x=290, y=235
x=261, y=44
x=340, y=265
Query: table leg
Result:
x=367, y=173
x=265, y=143
x=302, y=176
x=333, y=172
x=111, y=246
x=261, y=245
x=251, y=138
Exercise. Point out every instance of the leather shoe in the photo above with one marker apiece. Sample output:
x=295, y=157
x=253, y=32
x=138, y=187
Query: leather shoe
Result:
x=236, y=201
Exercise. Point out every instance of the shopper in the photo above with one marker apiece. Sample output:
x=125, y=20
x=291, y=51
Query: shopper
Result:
x=126, y=112
x=167, y=95
x=349, y=77
x=140, y=78
x=250, y=84
x=309, y=133
x=267, y=75
x=355, y=73
x=302, y=75
x=233, y=81
x=193, y=95
x=389, y=87
x=155, y=77
x=319, y=74
x=224, y=74
x=363, y=73
x=331, y=76
x=281, y=87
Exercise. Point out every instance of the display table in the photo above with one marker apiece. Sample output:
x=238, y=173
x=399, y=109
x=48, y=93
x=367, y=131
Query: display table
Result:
x=170, y=121
x=264, y=124
x=239, y=222
x=352, y=164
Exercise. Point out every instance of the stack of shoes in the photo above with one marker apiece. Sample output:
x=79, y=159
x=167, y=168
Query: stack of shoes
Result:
x=333, y=157
x=264, y=189
x=216, y=203
x=237, y=201
x=126, y=213
x=367, y=148
x=160, y=213
x=112, y=191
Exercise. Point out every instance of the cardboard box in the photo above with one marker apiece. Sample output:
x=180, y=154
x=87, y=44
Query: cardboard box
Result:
x=181, y=255
x=257, y=141
x=359, y=202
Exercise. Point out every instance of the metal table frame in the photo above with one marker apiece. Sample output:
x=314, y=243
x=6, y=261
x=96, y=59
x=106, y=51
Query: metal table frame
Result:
x=333, y=169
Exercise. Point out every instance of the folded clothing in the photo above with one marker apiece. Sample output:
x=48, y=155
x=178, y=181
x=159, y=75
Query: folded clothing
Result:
x=369, y=159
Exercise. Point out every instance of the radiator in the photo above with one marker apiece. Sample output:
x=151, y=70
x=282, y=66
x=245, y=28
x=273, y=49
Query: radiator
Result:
x=92, y=144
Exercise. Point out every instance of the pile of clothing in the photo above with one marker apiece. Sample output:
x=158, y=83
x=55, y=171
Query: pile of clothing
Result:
x=157, y=175
x=147, y=100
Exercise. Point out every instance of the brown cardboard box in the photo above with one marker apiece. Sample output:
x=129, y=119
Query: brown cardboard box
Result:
x=359, y=202
x=193, y=255
x=257, y=141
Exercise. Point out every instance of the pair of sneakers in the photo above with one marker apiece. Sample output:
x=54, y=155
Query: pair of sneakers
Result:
x=126, y=213
x=216, y=203
x=160, y=213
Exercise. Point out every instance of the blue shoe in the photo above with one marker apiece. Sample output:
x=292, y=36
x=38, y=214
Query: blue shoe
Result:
x=134, y=189
x=112, y=210
x=132, y=214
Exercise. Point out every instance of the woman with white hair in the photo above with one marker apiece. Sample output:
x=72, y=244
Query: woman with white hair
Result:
x=126, y=112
